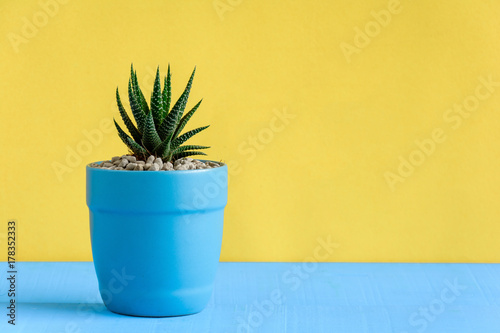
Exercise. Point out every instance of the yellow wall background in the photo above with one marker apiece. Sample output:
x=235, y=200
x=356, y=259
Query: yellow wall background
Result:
x=357, y=105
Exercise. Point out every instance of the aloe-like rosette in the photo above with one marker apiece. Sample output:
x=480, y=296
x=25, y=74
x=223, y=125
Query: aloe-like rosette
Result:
x=157, y=129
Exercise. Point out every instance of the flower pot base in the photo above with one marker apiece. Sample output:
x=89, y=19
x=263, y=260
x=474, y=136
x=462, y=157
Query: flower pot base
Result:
x=162, y=304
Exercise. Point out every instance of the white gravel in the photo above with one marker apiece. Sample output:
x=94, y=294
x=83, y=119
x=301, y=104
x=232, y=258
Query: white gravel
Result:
x=152, y=163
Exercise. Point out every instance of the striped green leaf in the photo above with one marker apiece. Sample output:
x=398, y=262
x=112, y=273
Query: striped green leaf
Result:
x=185, y=119
x=163, y=150
x=139, y=115
x=150, y=138
x=167, y=93
x=169, y=125
x=186, y=136
x=187, y=153
x=131, y=144
x=188, y=147
x=157, y=100
x=137, y=91
x=126, y=120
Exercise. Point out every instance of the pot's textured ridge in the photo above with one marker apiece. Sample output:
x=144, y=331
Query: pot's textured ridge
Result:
x=156, y=238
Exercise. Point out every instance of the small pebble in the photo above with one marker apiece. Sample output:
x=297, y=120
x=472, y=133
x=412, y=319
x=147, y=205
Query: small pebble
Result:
x=150, y=159
x=159, y=162
x=167, y=166
x=139, y=167
x=154, y=167
x=123, y=163
x=115, y=158
x=147, y=166
x=119, y=168
x=107, y=164
x=130, y=166
x=180, y=167
x=130, y=158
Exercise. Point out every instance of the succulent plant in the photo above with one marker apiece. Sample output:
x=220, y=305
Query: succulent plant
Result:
x=157, y=129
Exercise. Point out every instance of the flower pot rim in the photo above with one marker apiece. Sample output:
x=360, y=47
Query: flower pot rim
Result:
x=222, y=165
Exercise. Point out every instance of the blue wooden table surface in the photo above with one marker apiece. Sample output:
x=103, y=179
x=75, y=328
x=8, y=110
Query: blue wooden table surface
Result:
x=274, y=297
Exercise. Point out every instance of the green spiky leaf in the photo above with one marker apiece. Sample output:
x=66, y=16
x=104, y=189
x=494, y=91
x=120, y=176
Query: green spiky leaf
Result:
x=126, y=120
x=167, y=93
x=157, y=100
x=186, y=136
x=169, y=125
x=185, y=119
x=187, y=153
x=164, y=150
x=189, y=147
x=139, y=115
x=131, y=144
x=150, y=138
x=137, y=91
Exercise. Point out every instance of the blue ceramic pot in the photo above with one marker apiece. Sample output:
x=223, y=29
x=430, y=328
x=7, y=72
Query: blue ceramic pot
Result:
x=156, y=238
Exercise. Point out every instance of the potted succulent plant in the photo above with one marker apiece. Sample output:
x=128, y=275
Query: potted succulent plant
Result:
x=156, y=236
